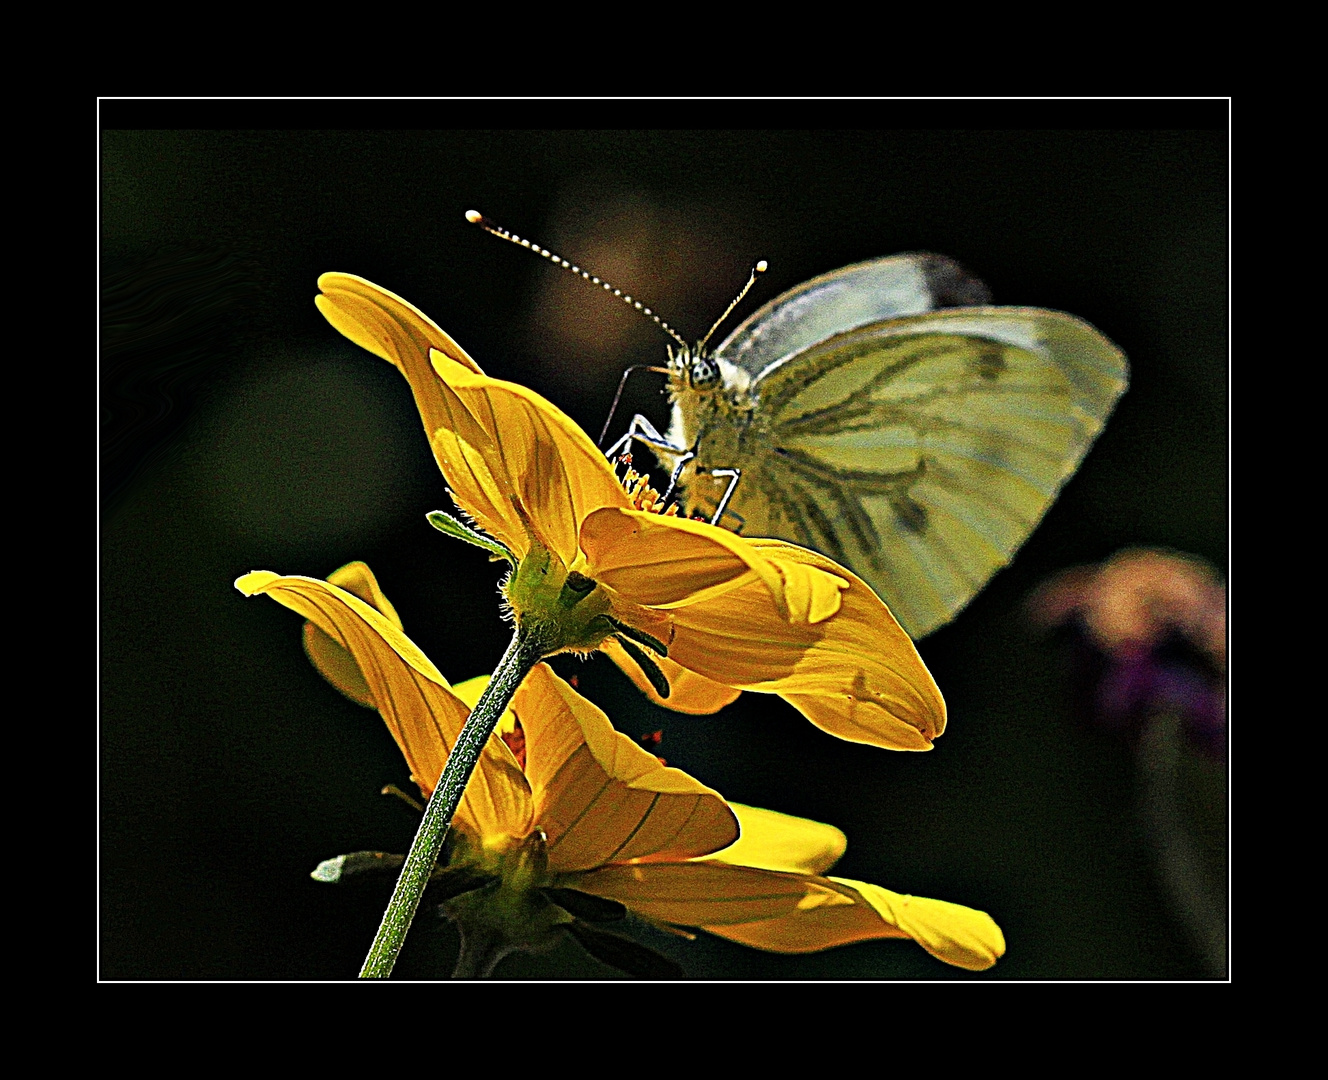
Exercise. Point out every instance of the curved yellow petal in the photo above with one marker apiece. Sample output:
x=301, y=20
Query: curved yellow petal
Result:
x=795, y=913
x=534, y=452
x=387, y=326
x=711, y=894
x=601, y=798
x=956, y=934
x=507, y=453
x=415, y=701
x=773, y=841
x=811, y=929
x=856, y=674
x=333, y=662
x=688, y=691
x=383, y=323
x=665, y=562
x=358, y=580
x=336, y=665
x=811, y=593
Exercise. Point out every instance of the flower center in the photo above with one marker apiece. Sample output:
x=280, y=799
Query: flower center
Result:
x=643, y=496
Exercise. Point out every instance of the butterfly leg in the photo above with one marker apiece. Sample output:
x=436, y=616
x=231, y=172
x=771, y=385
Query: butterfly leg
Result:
x=734, y=476
x=644, y=431
x=742, y=521
x=673, y=476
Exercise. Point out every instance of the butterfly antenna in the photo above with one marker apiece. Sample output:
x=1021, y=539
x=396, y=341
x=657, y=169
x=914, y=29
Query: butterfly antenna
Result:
x=491, y=226
x=759, y=268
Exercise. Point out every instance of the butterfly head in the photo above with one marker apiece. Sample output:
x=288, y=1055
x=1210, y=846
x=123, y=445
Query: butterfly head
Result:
x=693, y=368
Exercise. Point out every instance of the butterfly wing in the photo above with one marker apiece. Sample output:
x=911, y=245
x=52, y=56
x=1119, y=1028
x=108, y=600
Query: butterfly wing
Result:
x=921, y=452
x=857, y=295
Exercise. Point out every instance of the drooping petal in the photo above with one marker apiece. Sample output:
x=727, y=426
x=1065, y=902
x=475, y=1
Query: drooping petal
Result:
x=598, y=796
x=795, y=913
x=812, y=928
x=855, y=674
x=711, y=894
x=688, y=691
x=333, y=662
x=387, y=326
x=503, y=449
x=414, y=699
x=959, y=935
x=383, y=323
x=774, y=841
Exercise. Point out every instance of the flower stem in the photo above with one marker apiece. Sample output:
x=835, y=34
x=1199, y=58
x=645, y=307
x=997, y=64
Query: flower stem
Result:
x=1194, y=895
x=522, y=654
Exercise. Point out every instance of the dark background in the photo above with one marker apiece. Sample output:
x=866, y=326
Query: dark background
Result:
x=240, y=432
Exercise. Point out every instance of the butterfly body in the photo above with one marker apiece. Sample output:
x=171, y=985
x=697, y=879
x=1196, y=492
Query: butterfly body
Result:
x=889, y=417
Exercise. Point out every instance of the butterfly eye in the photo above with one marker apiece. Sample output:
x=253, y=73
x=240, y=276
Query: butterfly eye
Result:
x=703, y=373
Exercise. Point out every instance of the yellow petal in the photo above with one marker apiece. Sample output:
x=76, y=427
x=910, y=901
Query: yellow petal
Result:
x=472, y=690
x=336, y=665
x=688, y=691
x=333, y=662
x=774, y=841
x=711, y=894
x=505, y=451
x=958, y=935
x=665, y=562
x=855, y=674
x=387, y=326
x=811, y=929
x=414, y=699
x=383, y=323
x=536, y=453
x=811, y=593
x=795, y=913
x=598, y=795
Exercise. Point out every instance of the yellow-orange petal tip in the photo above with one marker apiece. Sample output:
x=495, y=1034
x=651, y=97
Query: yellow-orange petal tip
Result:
x=255, y=581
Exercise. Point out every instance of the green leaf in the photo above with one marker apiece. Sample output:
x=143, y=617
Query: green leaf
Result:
x=336, y=870
x=623, y=953
x=446, y=523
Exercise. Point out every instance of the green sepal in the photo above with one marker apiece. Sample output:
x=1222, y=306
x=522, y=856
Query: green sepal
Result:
x=332, y=871
x=446, y=523
x=413, y=803
x=648, y=667
x=447, y=883
x=623, y=953
x=586, y=906
x=639, y=636
x=575, y=589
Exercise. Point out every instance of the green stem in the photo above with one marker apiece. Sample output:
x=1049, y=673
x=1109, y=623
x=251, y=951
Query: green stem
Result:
x=522, y=654
x=1195, y=896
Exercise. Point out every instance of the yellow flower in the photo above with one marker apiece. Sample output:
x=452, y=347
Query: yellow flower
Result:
x=563, y=809
x=715, y=613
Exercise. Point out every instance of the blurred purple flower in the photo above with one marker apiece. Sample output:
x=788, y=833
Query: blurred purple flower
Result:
x=1150, y=631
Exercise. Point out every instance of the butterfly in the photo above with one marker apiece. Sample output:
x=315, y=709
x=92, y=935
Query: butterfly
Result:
x=888, y=416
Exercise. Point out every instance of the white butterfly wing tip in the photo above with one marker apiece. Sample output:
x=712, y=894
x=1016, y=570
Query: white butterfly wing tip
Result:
x=1090, y=423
